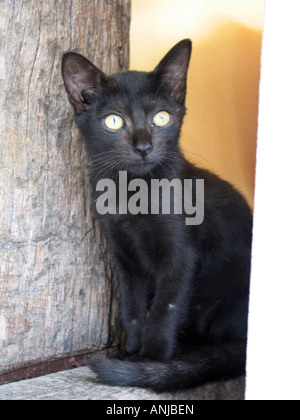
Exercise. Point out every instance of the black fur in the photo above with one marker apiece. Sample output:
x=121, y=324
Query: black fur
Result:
x=184, y=289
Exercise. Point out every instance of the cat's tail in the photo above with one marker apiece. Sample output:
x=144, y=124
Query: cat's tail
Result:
x=208, y=363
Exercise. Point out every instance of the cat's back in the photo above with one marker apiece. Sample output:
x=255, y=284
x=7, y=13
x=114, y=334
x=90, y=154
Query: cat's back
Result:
x=218, y=193
x=226, y=211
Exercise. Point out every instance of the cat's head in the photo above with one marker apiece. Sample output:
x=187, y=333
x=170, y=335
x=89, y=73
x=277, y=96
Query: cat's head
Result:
x=131, y=121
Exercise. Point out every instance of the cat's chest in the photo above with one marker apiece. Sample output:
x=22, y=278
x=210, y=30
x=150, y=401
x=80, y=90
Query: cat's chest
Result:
x=140, y=234
x=142, y=238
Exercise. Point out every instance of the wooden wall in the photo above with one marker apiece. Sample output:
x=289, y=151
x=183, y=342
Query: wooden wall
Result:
x=56, y=282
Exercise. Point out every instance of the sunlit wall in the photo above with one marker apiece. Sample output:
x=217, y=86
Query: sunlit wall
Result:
x=220, y=128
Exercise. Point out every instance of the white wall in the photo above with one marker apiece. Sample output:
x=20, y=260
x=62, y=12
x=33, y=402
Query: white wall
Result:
x=273, y=367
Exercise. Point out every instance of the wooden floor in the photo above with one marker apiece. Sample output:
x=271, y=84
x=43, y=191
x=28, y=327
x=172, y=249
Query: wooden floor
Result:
x=81, y=384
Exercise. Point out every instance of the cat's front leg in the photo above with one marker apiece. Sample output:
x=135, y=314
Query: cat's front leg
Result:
x=159, y=338
x=170, y=308
x=133, y=292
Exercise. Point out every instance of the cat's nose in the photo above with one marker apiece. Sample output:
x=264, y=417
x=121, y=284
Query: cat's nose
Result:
x=143, y=149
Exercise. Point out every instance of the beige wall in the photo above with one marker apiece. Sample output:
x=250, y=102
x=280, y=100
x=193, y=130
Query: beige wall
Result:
x=220, y=128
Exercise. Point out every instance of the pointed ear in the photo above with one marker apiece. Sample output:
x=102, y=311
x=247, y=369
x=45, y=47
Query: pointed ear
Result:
x=171, y=73
x=83, y=81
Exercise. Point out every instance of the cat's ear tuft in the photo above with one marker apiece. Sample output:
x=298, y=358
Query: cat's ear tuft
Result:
x=83, y=81
x=171, y=73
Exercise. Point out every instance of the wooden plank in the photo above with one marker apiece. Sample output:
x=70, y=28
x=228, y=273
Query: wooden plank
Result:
x=81, y=384
x=56, y=278
x=47, y=367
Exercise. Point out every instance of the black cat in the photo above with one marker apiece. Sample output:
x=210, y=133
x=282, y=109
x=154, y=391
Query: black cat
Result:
x=184, y=289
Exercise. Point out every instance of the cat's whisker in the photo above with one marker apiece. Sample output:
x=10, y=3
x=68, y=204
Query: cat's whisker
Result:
x=101, y=170
x=102, y=157
x=102, y=163
x=104, y=171
x=108, y=169
x=197, y=157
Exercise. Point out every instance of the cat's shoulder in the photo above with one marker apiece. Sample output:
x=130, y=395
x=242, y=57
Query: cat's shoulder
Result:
x=216, y=189
x=191, y=171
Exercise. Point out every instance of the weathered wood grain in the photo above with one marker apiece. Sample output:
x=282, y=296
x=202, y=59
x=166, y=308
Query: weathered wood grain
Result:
x=80, y=384
x=56, y=294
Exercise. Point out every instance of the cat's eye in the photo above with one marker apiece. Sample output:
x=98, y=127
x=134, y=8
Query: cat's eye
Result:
x=161, y=119
x=114, y=122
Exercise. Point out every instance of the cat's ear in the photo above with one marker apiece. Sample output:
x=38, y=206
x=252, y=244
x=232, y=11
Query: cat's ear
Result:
x=171, y=73
x=83, y=81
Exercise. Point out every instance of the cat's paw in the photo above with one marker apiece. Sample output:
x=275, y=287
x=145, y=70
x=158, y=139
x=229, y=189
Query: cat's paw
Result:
x=119, y=354
x=124, y=355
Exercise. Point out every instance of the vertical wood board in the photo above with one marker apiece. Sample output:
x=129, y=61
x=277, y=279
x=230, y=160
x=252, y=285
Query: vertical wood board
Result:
x=56, y=280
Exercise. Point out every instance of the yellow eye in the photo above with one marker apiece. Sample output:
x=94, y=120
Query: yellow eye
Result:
x=114, y=122
x=161, y=119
